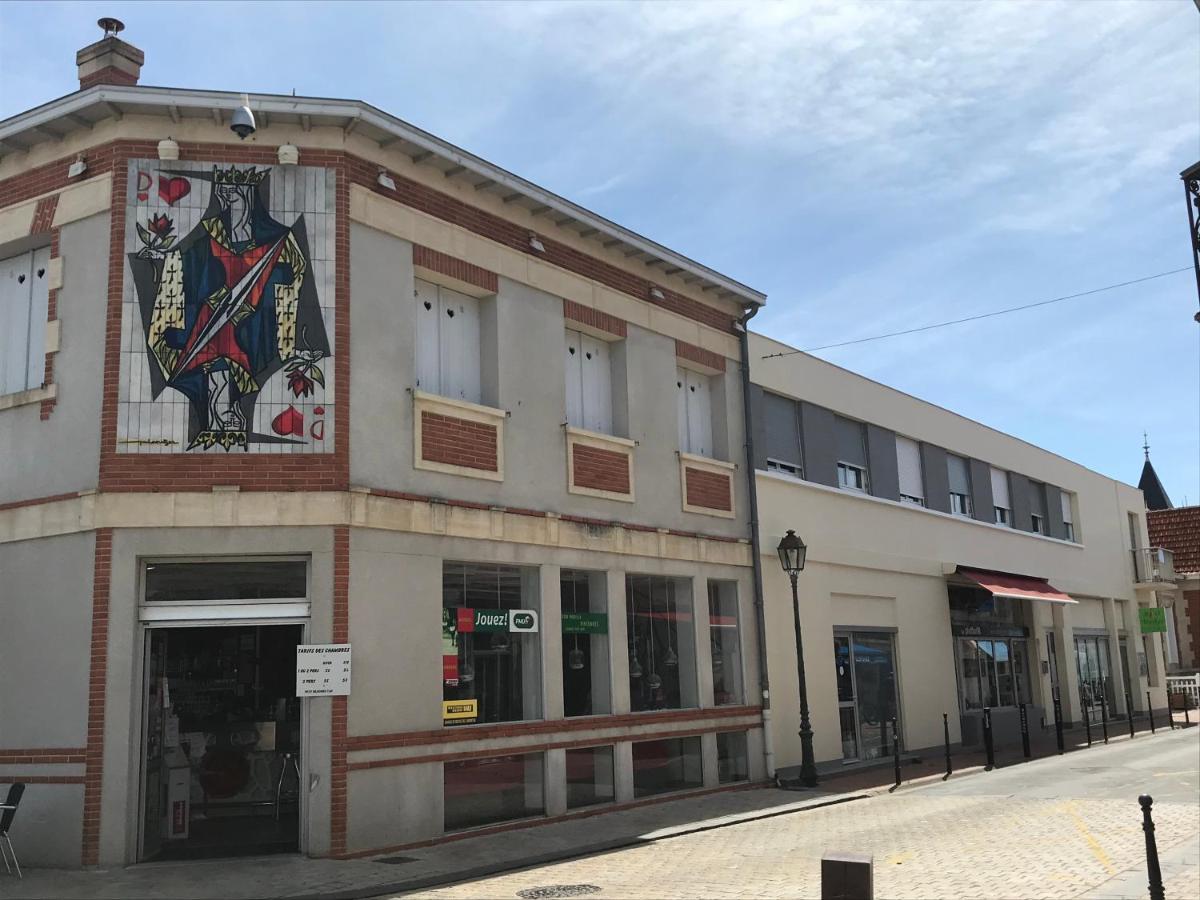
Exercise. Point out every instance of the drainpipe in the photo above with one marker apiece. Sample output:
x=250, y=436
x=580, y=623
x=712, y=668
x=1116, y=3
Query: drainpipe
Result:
x=760, y=622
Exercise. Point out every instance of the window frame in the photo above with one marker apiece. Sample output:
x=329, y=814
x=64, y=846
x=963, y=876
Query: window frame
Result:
x=863, y=486
x=454, y=381
x=967, y=511
x=786, y=469
x=592, y=409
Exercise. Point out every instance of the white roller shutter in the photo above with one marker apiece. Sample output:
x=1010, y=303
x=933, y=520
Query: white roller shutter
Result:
x=597, y=385
x=428, y=325
x=573, y=359
x=15, y=291
x=1000, y=489
x=908, y=463
x=1066, y=508
x=695, y=412
x=39, y=301
x=459, y=345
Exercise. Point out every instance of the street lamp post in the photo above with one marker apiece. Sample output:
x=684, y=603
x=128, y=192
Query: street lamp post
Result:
x=792, y=552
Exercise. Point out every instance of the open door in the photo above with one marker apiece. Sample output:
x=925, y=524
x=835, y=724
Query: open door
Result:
x=154, y=790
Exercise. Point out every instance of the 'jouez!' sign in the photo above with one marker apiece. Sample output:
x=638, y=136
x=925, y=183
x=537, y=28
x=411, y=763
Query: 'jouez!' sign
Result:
x=322, y=670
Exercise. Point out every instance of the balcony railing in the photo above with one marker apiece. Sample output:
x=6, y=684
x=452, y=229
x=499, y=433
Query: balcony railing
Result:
x=1154, y=565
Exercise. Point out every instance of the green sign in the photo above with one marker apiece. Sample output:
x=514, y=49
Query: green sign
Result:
x=489, y=620
x=584, y=623
x=1153, y=620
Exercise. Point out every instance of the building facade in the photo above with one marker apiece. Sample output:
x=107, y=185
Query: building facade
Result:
x=1177, y=530
x=950, y=568
x=356, y=493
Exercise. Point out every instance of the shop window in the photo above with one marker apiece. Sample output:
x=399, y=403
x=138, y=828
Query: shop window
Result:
x=225, y=580
x=491, y=652
x=662, y=657
x=585, y=656
x=725, y=641
x=589, y=383
x=590, y=777
x=694, y=395
x=448, y=348
x=497, y=789
x=673, y=764
x=992, y=672
x=24, y=300
x=733, y=761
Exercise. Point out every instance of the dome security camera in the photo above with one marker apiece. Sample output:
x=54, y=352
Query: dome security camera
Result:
x=242, y=123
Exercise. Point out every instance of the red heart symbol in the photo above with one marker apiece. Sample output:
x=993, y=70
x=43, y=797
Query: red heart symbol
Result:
x=290, y=421
x=172, y=190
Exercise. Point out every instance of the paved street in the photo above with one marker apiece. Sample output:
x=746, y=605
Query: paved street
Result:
x=1061, y=827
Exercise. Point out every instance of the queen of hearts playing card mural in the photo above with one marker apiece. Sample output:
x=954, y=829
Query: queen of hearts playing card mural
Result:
x=228, y=309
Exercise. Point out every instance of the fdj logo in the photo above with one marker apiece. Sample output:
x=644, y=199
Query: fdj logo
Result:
x=523, y=621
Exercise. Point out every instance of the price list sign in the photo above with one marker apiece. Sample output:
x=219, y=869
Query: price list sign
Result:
x=322, y=670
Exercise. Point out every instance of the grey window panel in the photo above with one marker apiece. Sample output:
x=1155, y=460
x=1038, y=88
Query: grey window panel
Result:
x=781, y=429
x=958, y=473
x=849, y=441
x=1054, y=518
x=881, y=458
x=981, y=491
x=937, y=483
x=820, y=454
x=758, y=426
x=1018, y=486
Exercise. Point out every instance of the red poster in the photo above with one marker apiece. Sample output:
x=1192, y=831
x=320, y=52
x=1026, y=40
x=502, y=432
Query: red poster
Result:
x=450, y=669
x=466, y=619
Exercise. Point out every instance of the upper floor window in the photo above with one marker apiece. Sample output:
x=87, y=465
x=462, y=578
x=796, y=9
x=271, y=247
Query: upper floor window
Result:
x=448, y=349
x=851, y=454
x=589, y=382
x=781, y=435
x=959, y=474
x=1068, y=516
x=908, y=465
x=784, y=468
x=1037, y=507
x=694, y=392
x=24, y=296
x=1001, y=502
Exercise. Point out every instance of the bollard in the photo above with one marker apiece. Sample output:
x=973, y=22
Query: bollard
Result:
x=946, y=732
x=896, y=750
x=1129, y=711
x=847, y=876
x=987, y=738
x=1170, y=712
x=1150, y=712
x=1104, y=713
x=1157, y=891
x=1087, y=721
x=1058, y=734
x=1187, y=720
x=1025, y=732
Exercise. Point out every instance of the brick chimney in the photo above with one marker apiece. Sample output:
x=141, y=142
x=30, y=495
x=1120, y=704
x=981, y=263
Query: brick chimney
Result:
x=110, y=60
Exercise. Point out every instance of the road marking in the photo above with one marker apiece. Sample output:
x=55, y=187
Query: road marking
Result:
x=1093, y=844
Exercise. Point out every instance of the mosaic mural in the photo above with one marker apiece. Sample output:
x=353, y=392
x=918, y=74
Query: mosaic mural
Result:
x=228, y=309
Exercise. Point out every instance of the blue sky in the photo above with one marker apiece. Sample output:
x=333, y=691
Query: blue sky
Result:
x=870, y=166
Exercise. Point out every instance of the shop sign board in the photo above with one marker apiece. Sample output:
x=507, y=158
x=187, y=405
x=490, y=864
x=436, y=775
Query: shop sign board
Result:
x=322, y=670
x=460, y=712
x=584, y=623
x=988, y=630
x=1153, y=619
x=491, y=620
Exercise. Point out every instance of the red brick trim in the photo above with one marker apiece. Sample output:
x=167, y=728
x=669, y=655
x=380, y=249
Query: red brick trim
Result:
x=43, y=214
x=47, y=406
x=446, y=264
x=708, y=490
x=338, y=705
x=42, y=756
x=459, y=442
x=14, y=778
x=706, y=358
x=462, y=733
x=94, y=757
x=585, y=315
x=38, y=501
x=107, y=75
x=599, y=469
x=551, y=820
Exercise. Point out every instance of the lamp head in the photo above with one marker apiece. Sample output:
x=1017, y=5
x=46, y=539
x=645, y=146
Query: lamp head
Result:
x=242, y=123
x=792, y=552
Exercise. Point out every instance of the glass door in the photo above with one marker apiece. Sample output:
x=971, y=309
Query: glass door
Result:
x=866, y=669
x=154, y=792
x=1095, y=673
x=845, y=684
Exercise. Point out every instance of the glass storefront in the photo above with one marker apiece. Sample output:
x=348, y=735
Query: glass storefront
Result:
x=1094, y=662
x=733, y=761
x=866, y=680
x=497, y=789
x=585, y=667
x=662, y=644
x=724, y=640
x=590, y=776
x=991, y=650
x=673, y=764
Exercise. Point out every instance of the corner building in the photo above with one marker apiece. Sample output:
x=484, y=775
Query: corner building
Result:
x=341, y=383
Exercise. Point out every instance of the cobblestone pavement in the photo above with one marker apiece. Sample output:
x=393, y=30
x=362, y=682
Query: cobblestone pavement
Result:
x=1042, y=830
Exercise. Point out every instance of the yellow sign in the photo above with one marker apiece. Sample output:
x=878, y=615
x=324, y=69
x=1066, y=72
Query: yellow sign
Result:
x=457, y=710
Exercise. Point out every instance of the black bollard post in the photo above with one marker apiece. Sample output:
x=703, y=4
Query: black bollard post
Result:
x=1087, y=721
x=1129, y=712
x=1058, y=725
x=1150, y=713
x=1170, y=712
x=1104, y=713
x=987, y=738
x=1025, y=732
x=1157, y=891
x=946, y=732
x=1187, y=720
x=896, y=750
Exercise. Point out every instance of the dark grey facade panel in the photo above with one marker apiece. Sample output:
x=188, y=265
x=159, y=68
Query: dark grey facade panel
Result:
x=1037, y=498
x=758, y=425
x=1054, y=520
x=1019, y=490
x=820, y=453
x=781, y=429
x=883, y=475
x=981, y=491
x=851, y=447
x=937, y=482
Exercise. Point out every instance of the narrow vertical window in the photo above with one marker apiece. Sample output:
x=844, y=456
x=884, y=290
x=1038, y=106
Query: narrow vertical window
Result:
x=694, y=404
x=851, y=454
x=584, y=644
x=24, y=295
x=725, y=641
x=662, y=656
x=959, y=476
x=1001, y=503
x=908, y=465
x=1068, y=515
x=447, y=339
x=589, y=382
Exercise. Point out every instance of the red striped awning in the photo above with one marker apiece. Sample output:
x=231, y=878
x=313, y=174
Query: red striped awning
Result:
x=1017, y=587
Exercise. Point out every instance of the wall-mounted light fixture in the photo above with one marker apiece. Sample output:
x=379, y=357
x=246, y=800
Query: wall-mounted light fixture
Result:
x=657, y=294
x=77, y=168
x=289, y=154
x=168, y=150
x=536, y=244
x=385, y=180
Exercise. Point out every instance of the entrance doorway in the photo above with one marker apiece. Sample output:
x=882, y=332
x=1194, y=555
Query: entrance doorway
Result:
x=1095, y=674
x=866, y=680
x=221, y=750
